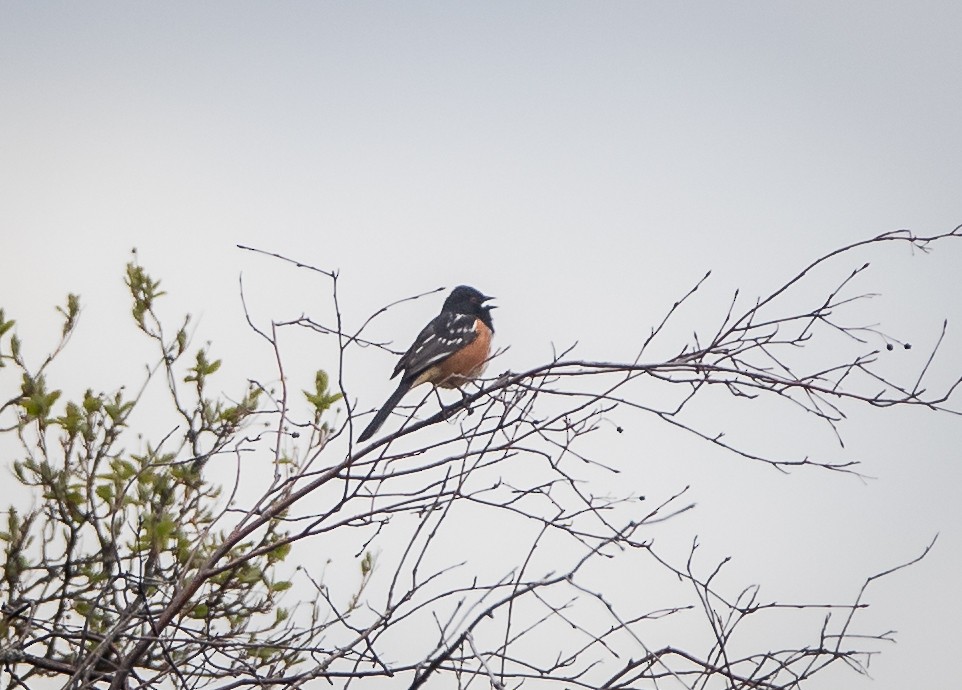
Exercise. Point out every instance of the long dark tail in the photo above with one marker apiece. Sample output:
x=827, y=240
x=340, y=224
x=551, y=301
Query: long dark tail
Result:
x=385, y=410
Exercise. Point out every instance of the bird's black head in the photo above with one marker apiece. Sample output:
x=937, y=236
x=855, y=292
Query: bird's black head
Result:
x=466, y=300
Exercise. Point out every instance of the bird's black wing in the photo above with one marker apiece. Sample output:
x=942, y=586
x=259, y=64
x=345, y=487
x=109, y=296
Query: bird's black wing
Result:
x=446, y=333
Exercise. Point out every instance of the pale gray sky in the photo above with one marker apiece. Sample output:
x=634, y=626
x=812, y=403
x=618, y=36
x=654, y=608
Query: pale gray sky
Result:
x=585, y=163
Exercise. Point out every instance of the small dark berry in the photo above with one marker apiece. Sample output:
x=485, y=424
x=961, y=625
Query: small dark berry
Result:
x=889, y=347
x=908, y=346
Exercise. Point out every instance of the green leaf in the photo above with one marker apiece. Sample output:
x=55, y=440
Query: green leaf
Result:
x=118, y=409
x=5, y=325
x=321, y=399
x=75, y=496
x=265, y=653
x=72, y=421
x=202, y=368
x=181, y=341
x=13, y=521
x=165, y=528
x=70, y=313
x=248, y=575
x=279, y=553
x=34, y=399
x=122, y=469
x=92, y=403
x=367, y=563
x=200, y=611
x=231, y=415
x=144, y=290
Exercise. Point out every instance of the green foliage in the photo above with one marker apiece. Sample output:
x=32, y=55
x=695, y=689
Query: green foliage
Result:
x=202, y=369
x=367, y=563
x=15, y=348
x=279, y=553
x=144, y=291
x=114, y=512
x=200, y=611
x=17, y=537
x=37, y=402
x=5, y=326
x=321, y=399
x=70, y=313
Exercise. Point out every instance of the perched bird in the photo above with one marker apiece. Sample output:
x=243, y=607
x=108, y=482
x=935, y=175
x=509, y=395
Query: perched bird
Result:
x=451, y=350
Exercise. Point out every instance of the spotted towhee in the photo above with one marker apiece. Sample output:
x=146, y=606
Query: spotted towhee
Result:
x=451, y=350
